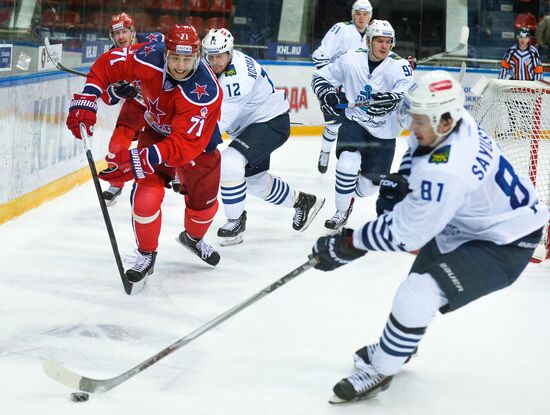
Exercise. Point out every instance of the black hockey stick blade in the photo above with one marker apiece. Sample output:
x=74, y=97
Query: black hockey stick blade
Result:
x=129, y=287
x=464, y=35
x=55, y=60
x=73, y=380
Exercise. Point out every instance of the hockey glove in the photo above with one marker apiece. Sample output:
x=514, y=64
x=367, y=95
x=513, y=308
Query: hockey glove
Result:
x=329, y=99
x=390, y=102
x=393, y=189
x=133, y=164
x=122, y=90
x=336, y=250
x=83, y=109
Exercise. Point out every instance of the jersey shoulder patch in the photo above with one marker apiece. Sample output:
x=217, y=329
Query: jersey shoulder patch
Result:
x=149, y=37
x=346, y=23
x=440, y=155
x=151, y=54
x=230, y=70
x=395, y=56
x=202, y=88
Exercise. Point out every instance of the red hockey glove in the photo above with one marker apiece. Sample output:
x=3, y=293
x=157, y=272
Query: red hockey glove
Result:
x=127, y=165
x=82, y=109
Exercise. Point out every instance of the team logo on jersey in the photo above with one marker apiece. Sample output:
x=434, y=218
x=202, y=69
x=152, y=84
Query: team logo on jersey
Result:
x=152, y=37
x=154, y=110
x=204, y=112
x=441, y=155
x=364, y=95
x=147, y=50
x=230, y=71
x=200, y=90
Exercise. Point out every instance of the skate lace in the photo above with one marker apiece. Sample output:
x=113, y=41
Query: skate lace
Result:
x=340, y=216
x=113, y=189
x=138, y=261
x=205, y=249
x=365, y=379
x=231, y=224
x=298, y=215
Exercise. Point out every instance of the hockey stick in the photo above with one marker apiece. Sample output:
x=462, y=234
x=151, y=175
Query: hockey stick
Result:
x=313, y=123
x=464, y=34
x=71, y=379
x=55, y=60
x=462, y=72
x=127, y=284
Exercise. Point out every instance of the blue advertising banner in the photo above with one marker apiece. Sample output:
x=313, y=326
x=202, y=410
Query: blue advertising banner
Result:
x=5, y=57
x=92, y=50
x=275, y=50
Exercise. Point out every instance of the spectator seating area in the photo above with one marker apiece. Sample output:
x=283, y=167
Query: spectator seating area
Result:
x=149, y=15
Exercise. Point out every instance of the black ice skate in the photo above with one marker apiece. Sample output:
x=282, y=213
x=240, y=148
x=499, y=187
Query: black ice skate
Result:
x=176, y=184
x=339, y=219
x=200, y=248
x=231, y=233
x=363, y=384
x=322, y=164
x=111, y=194
x=144, y=265
x=363, y=356
x=307, y=206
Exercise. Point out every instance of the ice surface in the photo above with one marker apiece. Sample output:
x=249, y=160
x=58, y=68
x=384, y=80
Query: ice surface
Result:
x=61, y=298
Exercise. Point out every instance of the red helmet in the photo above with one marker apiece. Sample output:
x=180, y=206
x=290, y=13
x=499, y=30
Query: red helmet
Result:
x=121, y=21
x=182, y=40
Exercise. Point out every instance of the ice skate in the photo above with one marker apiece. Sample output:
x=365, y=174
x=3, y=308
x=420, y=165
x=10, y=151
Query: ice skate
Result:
x=231, y=233
x=363, y=357
x=111, y=194
x=339, y=219
x=307, y=206
x=176, y=184
x=322, y=164
x=200, y=248
x=143, y=265
x=363, y=384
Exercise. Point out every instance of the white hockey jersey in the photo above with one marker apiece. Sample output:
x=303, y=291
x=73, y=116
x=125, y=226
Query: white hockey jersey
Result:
x=463, y=190
x=249, y=96
x=339, y=39
x=393, y=74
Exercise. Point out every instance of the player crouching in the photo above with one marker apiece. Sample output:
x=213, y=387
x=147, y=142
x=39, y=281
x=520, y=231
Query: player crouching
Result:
x=475, y=221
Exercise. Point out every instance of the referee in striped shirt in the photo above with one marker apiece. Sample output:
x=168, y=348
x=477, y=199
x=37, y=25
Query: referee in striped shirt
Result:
x=521, y=61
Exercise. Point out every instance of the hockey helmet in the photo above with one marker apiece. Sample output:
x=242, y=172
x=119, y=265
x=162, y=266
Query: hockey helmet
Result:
x=182, y=40
x=121, y=21
x=434, y=94
x=361, y=5
x=217, y=41
x=380, y=28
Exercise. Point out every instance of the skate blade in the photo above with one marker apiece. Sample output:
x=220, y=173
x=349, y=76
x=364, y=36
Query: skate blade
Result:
x=335, y=400
x=313, y=213
x=330, y=232
x=110, y=202
x=137, y=287
x=231, y=241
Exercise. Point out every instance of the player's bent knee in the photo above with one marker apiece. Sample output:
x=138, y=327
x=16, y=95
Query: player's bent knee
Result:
x=233, y=164
x=349, y=162
x=418, y=300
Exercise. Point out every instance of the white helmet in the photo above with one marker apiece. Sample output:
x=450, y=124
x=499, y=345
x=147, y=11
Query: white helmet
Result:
x=217, y=41
x=435, y=94
x=380, y=28
x=362, y=5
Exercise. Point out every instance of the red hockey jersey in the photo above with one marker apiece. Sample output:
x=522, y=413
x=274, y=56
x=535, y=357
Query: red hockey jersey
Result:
x=186, y=112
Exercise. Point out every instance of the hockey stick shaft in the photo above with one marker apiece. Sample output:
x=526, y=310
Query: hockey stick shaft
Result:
x=313, y=123
x=464, y=34
x=69, y=378
x=55, y=60
x=127, y=284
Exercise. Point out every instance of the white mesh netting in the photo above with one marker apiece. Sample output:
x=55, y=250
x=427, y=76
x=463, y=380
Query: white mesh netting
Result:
x=517, y=115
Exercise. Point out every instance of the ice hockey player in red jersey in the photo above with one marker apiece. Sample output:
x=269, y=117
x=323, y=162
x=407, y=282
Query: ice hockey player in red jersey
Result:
x=130, y=120
x=183, y=100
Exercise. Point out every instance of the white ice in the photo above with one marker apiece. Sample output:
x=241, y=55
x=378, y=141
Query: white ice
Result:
x=61, y=298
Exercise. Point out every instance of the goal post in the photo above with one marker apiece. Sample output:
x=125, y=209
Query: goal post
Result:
x=517, y=115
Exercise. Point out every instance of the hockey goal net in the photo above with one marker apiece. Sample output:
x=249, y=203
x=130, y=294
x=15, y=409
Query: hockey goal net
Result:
x=517, y=115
